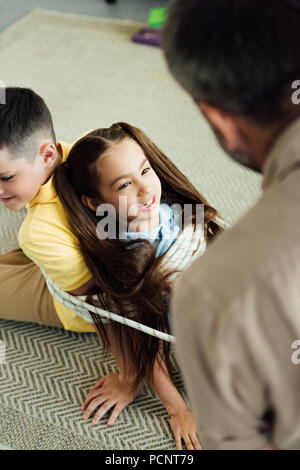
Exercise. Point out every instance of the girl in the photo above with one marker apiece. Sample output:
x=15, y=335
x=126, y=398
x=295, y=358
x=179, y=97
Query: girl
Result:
x=120, y=170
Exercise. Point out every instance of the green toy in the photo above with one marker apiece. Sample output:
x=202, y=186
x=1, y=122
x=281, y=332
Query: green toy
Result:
x=157, y=17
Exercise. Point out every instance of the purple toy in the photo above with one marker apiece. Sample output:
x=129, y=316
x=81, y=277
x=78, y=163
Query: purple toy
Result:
x=146, y=35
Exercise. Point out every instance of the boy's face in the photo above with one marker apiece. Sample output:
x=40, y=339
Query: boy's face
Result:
x=20, y=180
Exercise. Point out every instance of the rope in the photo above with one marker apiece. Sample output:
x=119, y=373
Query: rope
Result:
x=82, y=308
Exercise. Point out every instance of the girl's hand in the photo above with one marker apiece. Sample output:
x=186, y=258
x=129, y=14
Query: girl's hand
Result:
x=109, y=392
x=184, y=427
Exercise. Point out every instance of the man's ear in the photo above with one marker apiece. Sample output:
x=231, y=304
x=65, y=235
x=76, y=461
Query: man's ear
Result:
x=90, y=202
x=228, y=125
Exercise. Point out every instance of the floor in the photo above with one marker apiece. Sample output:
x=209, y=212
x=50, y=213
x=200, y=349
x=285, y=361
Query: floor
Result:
x=127, y=9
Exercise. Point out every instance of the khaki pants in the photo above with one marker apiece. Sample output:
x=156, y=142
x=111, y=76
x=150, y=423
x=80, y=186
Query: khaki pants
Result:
x=24, y=295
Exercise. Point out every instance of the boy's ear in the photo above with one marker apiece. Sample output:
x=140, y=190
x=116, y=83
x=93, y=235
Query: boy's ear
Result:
x=90, y=202
x=48, y=153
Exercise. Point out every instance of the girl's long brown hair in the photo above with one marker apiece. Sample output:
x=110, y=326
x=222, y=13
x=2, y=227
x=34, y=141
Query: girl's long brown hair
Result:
x=123, y=275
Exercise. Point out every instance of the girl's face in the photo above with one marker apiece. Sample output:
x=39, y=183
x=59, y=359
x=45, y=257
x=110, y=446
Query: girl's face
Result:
x=125, y=171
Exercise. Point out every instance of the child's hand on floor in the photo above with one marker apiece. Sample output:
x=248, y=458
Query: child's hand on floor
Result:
x=107, y=393
x=184, y=427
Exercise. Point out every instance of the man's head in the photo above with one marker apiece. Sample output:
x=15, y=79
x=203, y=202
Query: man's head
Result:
x=28, y=153
x=238, y=60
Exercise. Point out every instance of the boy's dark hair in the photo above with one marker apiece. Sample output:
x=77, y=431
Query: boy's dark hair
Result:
x=24, y=119
x=240, y=56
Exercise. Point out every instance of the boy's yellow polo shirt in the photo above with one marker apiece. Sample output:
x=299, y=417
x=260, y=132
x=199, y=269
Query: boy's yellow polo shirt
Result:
x=46, y=237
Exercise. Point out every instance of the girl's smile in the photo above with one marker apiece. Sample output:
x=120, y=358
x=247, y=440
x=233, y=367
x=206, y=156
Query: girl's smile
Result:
x=149, y=205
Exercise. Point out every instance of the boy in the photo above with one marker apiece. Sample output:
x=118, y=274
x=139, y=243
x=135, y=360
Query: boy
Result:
x=28, y=157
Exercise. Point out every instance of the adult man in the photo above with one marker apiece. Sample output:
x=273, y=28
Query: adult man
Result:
x=236, y=310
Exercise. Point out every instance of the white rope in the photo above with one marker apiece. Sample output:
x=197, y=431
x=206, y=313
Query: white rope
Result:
x=189, y=245
x=79, y=306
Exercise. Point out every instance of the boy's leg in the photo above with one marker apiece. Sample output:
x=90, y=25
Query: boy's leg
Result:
x=24, y=295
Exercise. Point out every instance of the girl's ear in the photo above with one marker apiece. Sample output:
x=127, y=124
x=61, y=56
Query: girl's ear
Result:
x=90, y=202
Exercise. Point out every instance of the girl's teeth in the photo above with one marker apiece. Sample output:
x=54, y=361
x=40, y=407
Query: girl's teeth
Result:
x=148, y=203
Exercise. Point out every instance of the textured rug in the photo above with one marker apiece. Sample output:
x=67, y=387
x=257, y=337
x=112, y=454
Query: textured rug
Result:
x=91, y=75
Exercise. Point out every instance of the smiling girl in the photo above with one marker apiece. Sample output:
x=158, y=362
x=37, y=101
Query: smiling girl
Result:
x=134, y=272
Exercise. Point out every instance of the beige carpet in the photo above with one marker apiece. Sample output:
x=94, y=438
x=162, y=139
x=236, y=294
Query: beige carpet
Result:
x=91, y=75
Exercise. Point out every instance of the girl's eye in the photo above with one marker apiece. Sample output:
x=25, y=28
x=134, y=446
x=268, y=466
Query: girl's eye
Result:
x=6, y=179
x=123, y=185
